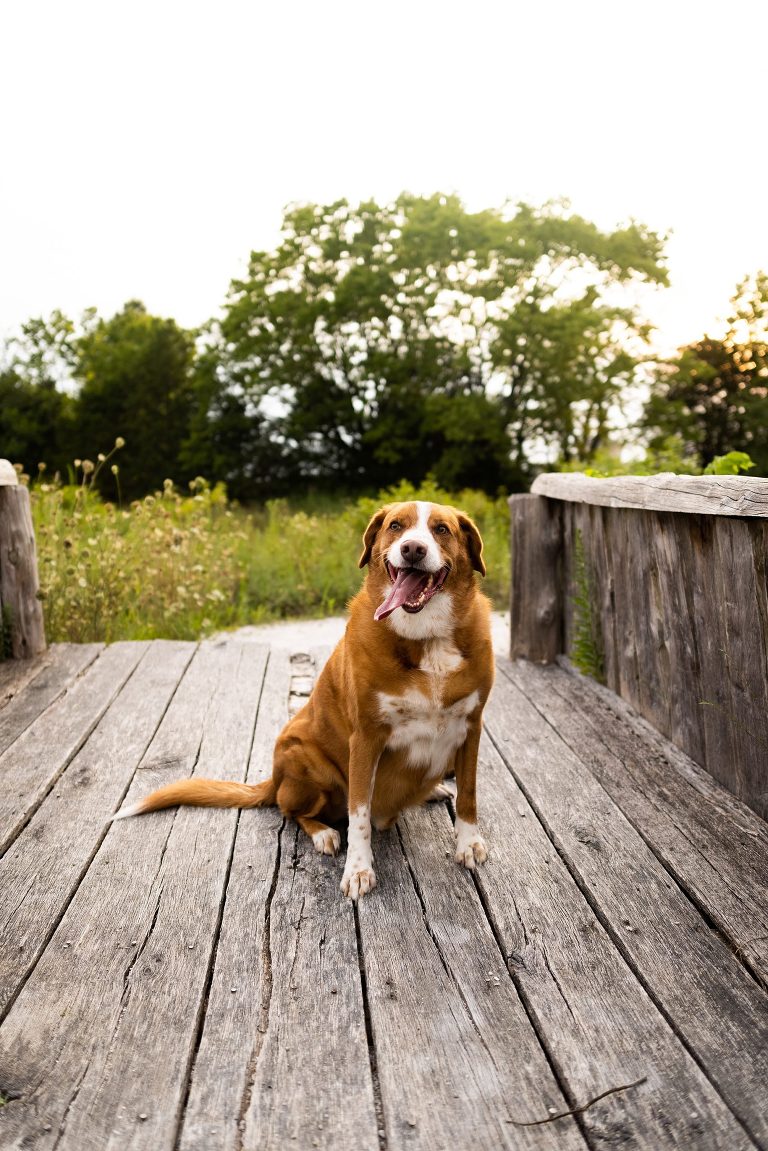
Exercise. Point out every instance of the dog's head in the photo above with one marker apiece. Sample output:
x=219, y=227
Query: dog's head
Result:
x=418, y=550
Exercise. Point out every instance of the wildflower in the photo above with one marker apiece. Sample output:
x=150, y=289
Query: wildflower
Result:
x=101, y=457
x=119, y=442
x=114, y=469
x=88, y=466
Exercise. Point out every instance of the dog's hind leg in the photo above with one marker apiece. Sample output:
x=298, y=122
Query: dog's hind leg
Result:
x=326, y=840
x=301, y=800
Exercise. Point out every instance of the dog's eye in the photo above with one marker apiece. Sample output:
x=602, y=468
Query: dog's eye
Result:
x=395, y=526
x=440, y=529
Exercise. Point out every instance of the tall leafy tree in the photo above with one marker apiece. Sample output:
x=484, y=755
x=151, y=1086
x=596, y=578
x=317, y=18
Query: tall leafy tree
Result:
x=715, y=393
x=135, y=375
x=36, y=408
x=382, y=340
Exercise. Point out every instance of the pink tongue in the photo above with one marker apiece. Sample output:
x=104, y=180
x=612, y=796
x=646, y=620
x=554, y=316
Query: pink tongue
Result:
x=406, y=587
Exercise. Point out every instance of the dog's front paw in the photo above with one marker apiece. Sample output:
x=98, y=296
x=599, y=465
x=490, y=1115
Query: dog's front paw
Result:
x=327, y=841
x=357, y=883
x=470, y=845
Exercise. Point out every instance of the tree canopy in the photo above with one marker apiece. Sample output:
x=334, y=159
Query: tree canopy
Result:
x=378, y=341
x=385, y=341
x=714, y=395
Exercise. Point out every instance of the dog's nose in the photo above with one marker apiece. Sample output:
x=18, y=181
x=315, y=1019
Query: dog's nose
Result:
x=412, y=551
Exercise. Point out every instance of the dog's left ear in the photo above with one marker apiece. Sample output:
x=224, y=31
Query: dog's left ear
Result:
x=474, y=542
x=369, y=539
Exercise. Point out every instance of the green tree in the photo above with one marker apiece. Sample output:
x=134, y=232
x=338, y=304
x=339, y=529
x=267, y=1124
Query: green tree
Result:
x=715, y=393
x=373, y=338
x=566, y=366
x=135, y=376
x=36, y=405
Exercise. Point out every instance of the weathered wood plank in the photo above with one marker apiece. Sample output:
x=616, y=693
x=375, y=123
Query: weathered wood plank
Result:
x=15, y=674
x=511, y=1074
x=19, y=603
x=39, y=873
x=536, y=620
x=314, y=1018
x=708, y=495
x=698, y=549
x=287, y=943
x=743, y=607
x=234, y=1026
x=714, y=846
x=51, y=675
x=440, y=1082
x=97, y=1046
x=30, y=767
x=717, y=1009
x=681, y=686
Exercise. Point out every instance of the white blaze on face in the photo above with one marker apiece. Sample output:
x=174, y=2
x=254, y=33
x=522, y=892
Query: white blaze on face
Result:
x=419, y=534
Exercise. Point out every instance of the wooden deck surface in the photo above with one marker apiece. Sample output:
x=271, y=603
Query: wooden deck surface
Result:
x=194, y=979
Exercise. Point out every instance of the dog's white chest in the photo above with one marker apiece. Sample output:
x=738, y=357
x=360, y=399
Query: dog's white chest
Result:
x=421, y=726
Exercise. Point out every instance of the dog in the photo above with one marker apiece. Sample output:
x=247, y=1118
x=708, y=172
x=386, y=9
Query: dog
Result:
x=397, y=707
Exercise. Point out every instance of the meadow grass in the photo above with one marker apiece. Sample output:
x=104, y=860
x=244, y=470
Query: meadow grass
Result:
x=180, y=565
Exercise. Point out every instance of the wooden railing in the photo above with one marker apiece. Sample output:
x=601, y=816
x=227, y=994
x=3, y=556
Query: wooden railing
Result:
x=657, y=587
x=22, y=632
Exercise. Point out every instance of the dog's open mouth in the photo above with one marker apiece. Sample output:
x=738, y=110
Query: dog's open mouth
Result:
x=411, y=589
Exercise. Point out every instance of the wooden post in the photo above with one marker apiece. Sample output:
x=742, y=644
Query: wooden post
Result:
x=21, y=612
x=536, y=608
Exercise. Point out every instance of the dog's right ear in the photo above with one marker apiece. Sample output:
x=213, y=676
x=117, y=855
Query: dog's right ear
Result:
x=369, y=538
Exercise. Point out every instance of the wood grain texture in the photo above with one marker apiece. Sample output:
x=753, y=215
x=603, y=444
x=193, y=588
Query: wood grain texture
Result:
x=439, y=1084
x=42, y=869
x=19, y=583
x=15, y=674
x=707, y=495
x=288, y=946
x=32, y=764
x=235, y=1021
x=50, y=675
x=714, y=846
x=717, y=1009
x=536, y=623
x=96, y=1049
x=590, y=1008
x=678, y=619
x=314, y=1017
x=511, y=1070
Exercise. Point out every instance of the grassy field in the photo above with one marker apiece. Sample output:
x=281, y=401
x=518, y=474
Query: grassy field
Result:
x=184, y=564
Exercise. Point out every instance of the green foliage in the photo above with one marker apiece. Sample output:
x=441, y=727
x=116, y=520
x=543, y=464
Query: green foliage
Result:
x=375, y=341
x=135, y=375
x=729, y=465
x=715, y=393
x=382, y=340
x=180, y=565
x=587, y=653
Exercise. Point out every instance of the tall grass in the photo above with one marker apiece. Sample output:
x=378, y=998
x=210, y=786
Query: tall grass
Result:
x=183, y=564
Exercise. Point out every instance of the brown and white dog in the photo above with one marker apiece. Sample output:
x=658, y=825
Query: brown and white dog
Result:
x=396, y=707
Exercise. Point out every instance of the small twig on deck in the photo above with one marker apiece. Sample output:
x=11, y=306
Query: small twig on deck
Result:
x=578, y=1110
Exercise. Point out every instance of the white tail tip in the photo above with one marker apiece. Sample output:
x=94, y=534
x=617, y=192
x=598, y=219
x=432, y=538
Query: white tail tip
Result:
x=134, y=809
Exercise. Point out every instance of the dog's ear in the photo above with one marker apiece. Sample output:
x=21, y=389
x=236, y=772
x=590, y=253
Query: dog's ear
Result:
x=474, y=542
x=369, y=538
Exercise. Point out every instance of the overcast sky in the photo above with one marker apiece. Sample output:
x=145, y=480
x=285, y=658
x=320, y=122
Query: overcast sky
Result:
x=148, y=147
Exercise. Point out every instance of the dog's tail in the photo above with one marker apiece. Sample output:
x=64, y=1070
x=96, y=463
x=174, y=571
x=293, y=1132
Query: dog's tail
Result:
x=204, y=793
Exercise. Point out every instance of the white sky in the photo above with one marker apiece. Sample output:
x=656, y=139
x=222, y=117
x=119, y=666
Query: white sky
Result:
x=148, y=147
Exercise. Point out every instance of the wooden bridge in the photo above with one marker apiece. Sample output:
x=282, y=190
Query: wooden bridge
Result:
x=194, y=979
